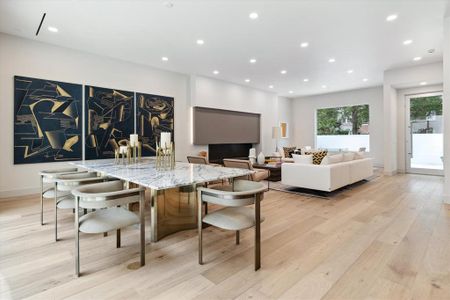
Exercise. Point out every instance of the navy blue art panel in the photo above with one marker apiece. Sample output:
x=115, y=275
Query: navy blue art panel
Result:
x=47, y=120
x=154, y=114
x=109, y=120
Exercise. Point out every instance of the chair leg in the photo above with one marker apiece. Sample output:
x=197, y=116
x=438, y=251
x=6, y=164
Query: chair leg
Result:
x=142, y=225
x=105, y=234
x=42, y=200
x=237, y=237
x=118, y=238
x=77, y=239
x=200, y=225
x=56, y=211
x=257, y=233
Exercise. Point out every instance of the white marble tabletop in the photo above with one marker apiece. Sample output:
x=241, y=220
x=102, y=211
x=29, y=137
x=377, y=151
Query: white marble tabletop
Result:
x=145, y=173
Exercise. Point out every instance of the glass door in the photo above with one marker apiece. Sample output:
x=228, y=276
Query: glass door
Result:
x=424, y=134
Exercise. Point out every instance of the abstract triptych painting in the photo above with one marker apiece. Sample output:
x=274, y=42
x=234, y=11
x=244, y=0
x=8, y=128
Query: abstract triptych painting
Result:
x=109, y=120
x=47, y=121
x=154, y=114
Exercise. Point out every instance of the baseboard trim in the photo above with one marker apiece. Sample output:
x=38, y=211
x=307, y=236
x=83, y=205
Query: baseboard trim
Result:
x=5, y=195
x=390, y=173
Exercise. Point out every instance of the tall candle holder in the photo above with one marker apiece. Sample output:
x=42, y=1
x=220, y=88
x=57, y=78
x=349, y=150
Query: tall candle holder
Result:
x=129, y=154
x=165, y=157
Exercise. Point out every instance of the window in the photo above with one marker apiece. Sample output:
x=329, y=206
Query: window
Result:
x=343, y=128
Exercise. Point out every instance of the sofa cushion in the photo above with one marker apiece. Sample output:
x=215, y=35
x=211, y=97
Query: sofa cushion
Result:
x=317, y=156
x=348, y=156
x=287, y=151
x=332, y=159
x=303, y=159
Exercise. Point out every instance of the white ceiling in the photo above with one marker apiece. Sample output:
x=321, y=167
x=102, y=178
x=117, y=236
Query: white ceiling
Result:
x=354, y=32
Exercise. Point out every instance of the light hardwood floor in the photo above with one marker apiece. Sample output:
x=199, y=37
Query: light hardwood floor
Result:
x=386, y=239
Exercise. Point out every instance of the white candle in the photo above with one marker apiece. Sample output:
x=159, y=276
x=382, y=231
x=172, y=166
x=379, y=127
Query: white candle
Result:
x=133, y=140
x=123, y=149
x=165, y=140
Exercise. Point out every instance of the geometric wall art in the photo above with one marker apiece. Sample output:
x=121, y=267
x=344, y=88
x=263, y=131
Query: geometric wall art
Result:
x=109, y=120
x=47, y=120
x=154, y=114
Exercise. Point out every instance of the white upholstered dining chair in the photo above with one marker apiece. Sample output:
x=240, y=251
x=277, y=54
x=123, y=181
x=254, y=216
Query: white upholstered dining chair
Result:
x=47, y=187
x=236, y=215
x=108, y=200
x=64, y=184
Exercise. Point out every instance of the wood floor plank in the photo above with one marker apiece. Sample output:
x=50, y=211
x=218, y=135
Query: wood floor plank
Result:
x=383, y=239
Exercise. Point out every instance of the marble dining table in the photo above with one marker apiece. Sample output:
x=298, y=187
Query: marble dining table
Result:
x=171, y=193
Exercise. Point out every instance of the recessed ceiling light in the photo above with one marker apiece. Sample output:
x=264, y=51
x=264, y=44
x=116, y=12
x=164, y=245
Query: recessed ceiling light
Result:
x=215, y=72
x=52, y=29
x=349, y=71
x=200, y=42
x=407, y=42
x=331, y=60
x=253, y=15
x=324, y=86
x=283, y=72
x=391, y=18
x=270, y=86
x=423, y=83
x=365, y=79
x=304, y=44
x=252, y=60
x=291, y=92
x=417, y=58
x=164, y=58
x=305, y=80
x=247, y=80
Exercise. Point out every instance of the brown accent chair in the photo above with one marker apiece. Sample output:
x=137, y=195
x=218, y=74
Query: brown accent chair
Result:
x=259, y=175
x=197, y=160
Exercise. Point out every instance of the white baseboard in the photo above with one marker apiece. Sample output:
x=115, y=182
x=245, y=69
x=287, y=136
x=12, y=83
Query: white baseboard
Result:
x=390, y=173
x=5, y=195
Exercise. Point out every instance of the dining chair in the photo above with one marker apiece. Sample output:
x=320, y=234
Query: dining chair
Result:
x=46, y=183
x=235, y=214
x=108, y=200
x=197, y=160
x=64, y=184
x=258, y=175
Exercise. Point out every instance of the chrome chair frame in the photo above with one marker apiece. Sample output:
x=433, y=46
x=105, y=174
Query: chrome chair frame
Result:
x=240, y=198
x=109, y=199
x=50, y=174
x=59, y=179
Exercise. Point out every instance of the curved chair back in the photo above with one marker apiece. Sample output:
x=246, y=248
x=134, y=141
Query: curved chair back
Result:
x=197, y=160
x=49, y=175
x=242, y=193
x=106, y=194
x=67, y=182
x=237, y=163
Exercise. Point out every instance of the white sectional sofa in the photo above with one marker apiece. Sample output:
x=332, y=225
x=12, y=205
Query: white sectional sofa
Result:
x=326, y=177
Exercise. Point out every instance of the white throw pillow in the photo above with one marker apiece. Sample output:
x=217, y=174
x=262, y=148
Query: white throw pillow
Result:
x=303, y=159
x=360, y=155
x=348, y=156
x=332, y=159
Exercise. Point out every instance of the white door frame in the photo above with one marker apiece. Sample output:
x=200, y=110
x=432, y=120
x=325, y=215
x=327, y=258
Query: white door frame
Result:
x=408, y=135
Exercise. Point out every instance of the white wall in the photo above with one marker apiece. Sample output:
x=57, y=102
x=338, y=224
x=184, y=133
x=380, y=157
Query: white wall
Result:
x=446, y=104
x=34, y=59
x=304, y=112
x=222, y=95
